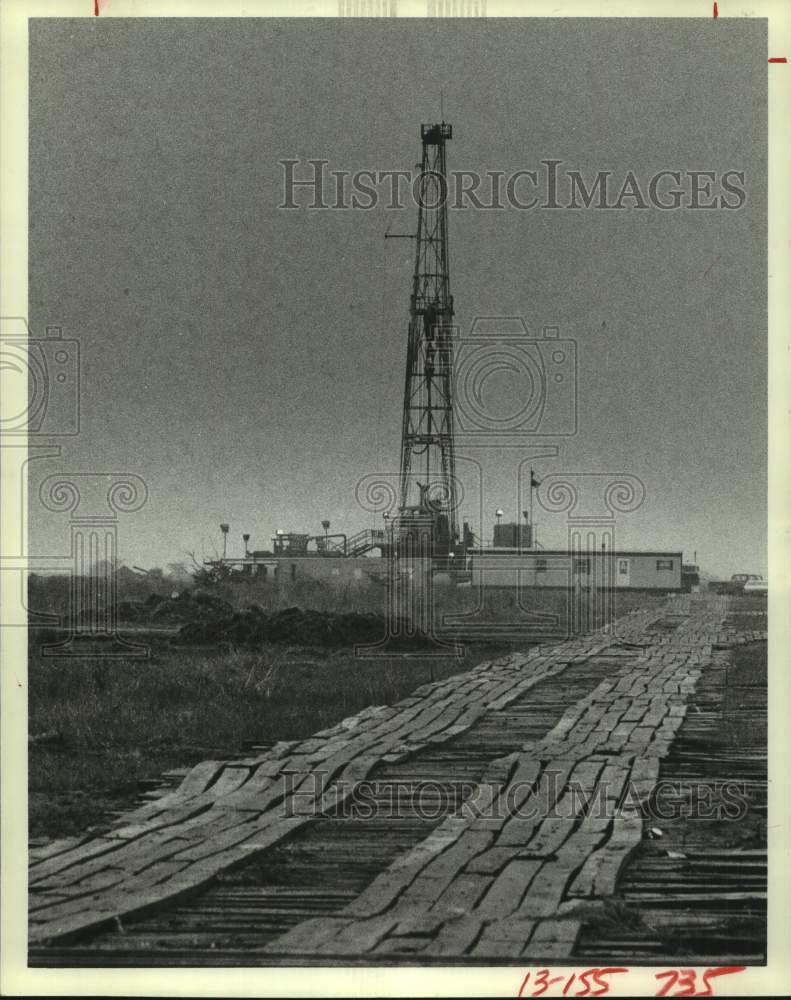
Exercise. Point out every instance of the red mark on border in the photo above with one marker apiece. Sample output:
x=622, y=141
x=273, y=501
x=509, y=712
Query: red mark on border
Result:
x=725, y=970
x=682, y=982
x=95, y=8
x=779, y=59
x=716, y=12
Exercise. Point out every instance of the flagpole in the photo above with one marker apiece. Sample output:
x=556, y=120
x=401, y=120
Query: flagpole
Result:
x=532, y=531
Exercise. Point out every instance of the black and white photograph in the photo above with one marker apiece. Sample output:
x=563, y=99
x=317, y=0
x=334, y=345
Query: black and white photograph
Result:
x=387, y=549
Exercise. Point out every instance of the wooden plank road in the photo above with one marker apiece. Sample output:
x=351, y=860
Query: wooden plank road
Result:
x=516, y=872
x=226, y=812
x=697, y=894
x=329, y=861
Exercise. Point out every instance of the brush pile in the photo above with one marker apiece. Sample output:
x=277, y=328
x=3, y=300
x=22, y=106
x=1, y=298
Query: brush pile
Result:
x=296, y=626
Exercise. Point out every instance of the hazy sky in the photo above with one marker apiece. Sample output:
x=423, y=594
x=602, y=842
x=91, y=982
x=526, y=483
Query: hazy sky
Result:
x=248, y=361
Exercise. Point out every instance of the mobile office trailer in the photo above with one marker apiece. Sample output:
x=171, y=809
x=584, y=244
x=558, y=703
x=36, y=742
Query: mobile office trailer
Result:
x=557, y=568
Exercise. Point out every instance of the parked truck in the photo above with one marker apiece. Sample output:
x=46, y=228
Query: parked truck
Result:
x=738, y=583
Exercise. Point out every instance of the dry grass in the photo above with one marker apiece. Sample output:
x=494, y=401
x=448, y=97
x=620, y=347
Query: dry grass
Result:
x=112, y=723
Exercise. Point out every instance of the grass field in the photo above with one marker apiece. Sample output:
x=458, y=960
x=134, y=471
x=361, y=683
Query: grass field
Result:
x=109, y=724
x=102, y=726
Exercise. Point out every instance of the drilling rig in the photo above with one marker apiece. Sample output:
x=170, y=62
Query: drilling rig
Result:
x=428, y=488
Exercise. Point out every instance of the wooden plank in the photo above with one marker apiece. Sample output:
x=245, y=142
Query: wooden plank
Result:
x=508, y=889
x=504, y=939
x=455, y=937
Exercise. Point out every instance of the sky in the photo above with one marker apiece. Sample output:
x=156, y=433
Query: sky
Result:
x=247, y=362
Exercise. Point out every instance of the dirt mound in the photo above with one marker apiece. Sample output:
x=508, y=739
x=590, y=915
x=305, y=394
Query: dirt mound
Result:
x=191, y=606
x=128, y=611
x=296, y=626
x=188, y=606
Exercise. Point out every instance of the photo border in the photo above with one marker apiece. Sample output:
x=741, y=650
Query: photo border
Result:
x=15, y=977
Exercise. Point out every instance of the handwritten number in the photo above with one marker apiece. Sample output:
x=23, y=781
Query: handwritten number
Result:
x=543, y=981
x=671, y=975
x=683, y=981
x=599, y=974
x=688, y=981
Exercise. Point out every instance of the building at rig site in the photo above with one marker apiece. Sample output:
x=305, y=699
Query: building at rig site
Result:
x=498, y=566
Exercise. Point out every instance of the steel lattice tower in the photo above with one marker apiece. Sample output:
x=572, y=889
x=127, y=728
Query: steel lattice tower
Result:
x=427, y=459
